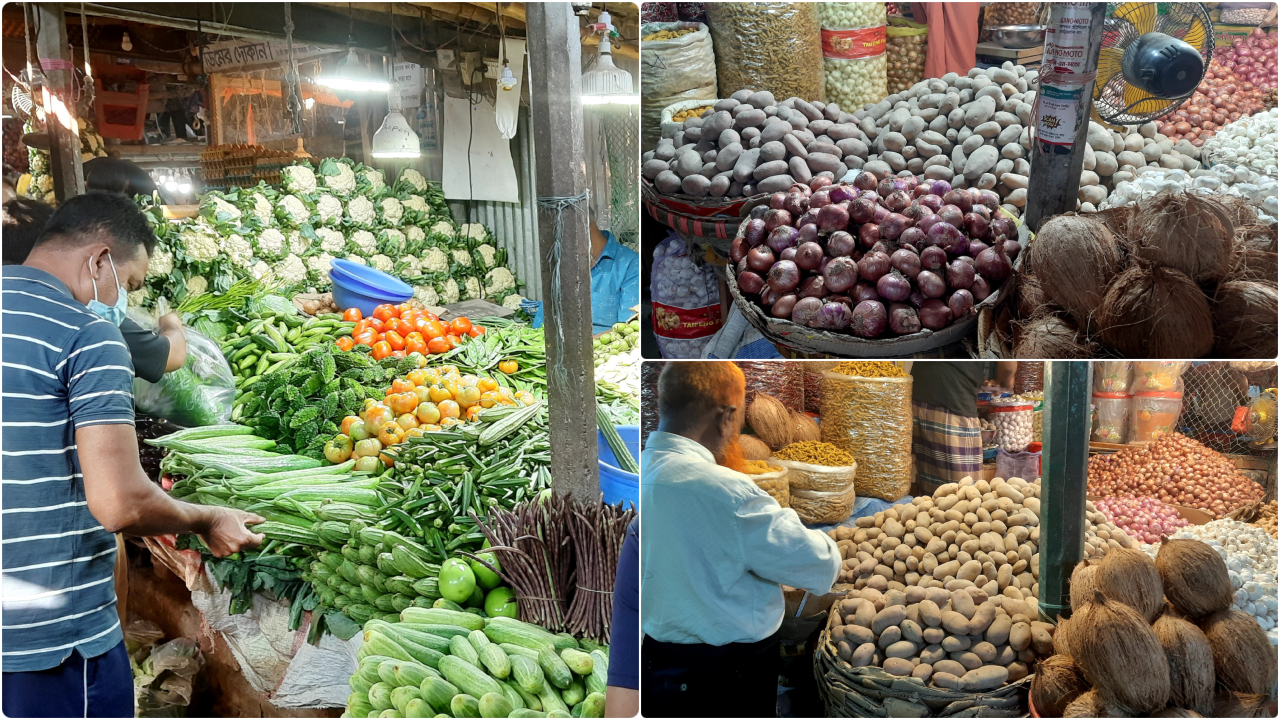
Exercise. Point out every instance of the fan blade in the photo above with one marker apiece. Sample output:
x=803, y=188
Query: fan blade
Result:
x=1196, y=35
x=1108, y=64
x=1142, y=15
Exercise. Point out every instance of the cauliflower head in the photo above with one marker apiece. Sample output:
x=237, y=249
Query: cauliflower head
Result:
x=298, y=245
x=271, y=244
x=360, y=210
x=460, y=256
x=331, y=241
x=512, y=301
x=442, y=228
x=392, y=211
x=344, y=182
x=218, y=207
x=449, y=291
x=293, y=271
x=329, y=208
x=414, y=234
x=375, y=179
x=197, y=285
x=318, y=266
x=488, y=254
x=382, y=262
x=357, y=259
x=295, y=211
x=199, y=243
x=413, y=179
x=363, y=242
x=408, y=266
x=434, y=260
x=416, y=203
x=261, y=209
x=475, y=231
x=262, y=271
x=498, y=281
x=139, y=296
x=471, y=288
x=391, y=241
x=300, y=179
x=239, y=250
x=160, y=264
x=426, y=295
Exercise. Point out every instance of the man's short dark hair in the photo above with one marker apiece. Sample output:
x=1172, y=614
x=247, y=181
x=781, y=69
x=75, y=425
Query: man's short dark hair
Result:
x=100, y=217
x=24, y=219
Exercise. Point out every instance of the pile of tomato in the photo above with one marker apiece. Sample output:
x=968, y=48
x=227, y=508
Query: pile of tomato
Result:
x=399, y=330
x=425, y=400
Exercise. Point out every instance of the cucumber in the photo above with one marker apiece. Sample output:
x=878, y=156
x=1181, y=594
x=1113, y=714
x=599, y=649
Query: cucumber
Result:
x=375, y=643
x=418, y=708
x=513, y=650
x=579, y=662
x=593, y=706
x=464, y=706
x=573, y=694
x=551, y=701
x=531, y=700
x=380, y=696
x=555, y=669
x=447, y=604
x=401, y=696
x=438, y=616
x=460, y=647
x=444, y=631
x=467, y=677
x=527, y=713
x=437, y=692
x=598, y=680
x=387, y=672
x=527, y=674
x=512, y=695
x=409, y=674
x=494, y=705
x=495, y=661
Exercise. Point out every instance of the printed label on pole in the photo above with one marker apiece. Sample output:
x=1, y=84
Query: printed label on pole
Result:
x=1067, y=39
x=1057, y=124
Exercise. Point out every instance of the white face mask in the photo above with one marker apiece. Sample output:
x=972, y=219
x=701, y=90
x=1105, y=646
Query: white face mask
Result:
x=111, y=313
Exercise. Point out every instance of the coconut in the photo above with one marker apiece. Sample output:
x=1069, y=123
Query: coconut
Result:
x=1030, y=295
x=1049, y=335
x=1075, y=258
x=1120, y=655
x=803, y=428
x=1082, y=584
x=1240, y=705
x=1131, y=577
x=1184, y=232
x=1190, y=663
x=1248, y=263
x=1156, y=312
x=753, y=448
x=770, y=420
x=1258, y=236
x=1195, y=578
x=1233, y=209
x=1176, y=712
x=1062, y=638
x=1117, y=220
x=1057, y=682
x=1244, y=313
x=1091, y=705
x=1243, y=659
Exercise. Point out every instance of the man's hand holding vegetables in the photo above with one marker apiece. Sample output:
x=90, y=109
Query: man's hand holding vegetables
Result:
x=716, y=550
x=71, y=473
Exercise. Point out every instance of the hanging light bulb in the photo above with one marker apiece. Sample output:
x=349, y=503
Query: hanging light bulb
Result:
x=350, y=74
x=607, y=84
x=309, y=103
x=395, y=139
x=126, y=44
x=508, y=80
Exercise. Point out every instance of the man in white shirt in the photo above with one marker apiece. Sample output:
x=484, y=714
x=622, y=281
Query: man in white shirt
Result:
x=715, y=550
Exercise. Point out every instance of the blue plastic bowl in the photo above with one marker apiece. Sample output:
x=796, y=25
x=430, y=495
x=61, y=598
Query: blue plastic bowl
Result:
x=372, y=280
x=365, y=296
x=616, y=485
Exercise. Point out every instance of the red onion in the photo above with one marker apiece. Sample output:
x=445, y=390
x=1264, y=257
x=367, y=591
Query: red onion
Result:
x=882, y=212
x=975, y=224
x=805, y=310
x=869, y=319
x=840, y=299
x=801, y=188
x=768, y=297
x=865, y=291
x=993, y=264
x=750, y=283
x=873, y=266
x=920, y=191
x=933, y=258
x=869, y=195
x=1012, y=248
x=738, y=249
x=807, y=233
x=782, y=237
x=832, y=218
x=810, y=217
x=927, y=221
x=980, y=289
x=868, y=234
x=903, y=319
x=832, y=316
x=940, y=187
x=741, y=265
x=885, y=187
x=808, y=256
x=841, y=193
x=882, y=246
x=990, y=200
x=1002, y=226
x=952, y=215
x=915, y=212
x=784, y=276
x=774, y=219
x=977, y=246
x=795, y=203
x=783, y=306
x=983, y=212
x=912, y=236
x=933, y=202
x=961, y=199
x=931, y=285
x=960, y=303
x=893, y=287
x=862, y=211
x=778, y=201
x=840, y=273
x=893, y=225
x=934, y=314
x=948, y=237
x=897, y=201
x=760, y=258
x=820, y=181
x=821, y=198
x=906, y=262
x=755, y=232
x=813, y=286
x=960, y=274
x=865, y=180
x=841, y=243
x=916, y=299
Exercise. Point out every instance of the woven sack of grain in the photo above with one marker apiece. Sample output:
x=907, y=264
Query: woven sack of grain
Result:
x=870, y=418
x=821, y=478
x=776, y=484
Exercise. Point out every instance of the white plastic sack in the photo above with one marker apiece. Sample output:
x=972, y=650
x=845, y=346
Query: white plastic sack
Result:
x=686, y=301
x=507, y=106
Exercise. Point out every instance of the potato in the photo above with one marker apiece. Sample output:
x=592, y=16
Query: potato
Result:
x=750, y=118
x=901, y=649
x=890, y=636
x=720, y=185
x=985, y=651
x=956, y=643
x=861, y=657
x=984, y=678
x=933, y=635
x=696, y=185
x=888, y=617
x=775, y=183
x=858, y=635
x=946, y=679
x=1020, y=636
x=955, y=623
x=968, y=659
x=1041, y=641
x=727, y=158
x=822, y=162
x=898, y=666
x=667, y=182
x=799, y=169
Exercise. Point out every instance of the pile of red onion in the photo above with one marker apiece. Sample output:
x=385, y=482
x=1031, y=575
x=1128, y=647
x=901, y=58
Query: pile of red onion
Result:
x=880, y=257
x=1144, y=519
x=1222, y=97
x=1252, y=58
x=1175, y=470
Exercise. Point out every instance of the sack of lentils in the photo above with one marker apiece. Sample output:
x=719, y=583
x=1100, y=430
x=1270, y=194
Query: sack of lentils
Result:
x=853, y=57
x=773, y=46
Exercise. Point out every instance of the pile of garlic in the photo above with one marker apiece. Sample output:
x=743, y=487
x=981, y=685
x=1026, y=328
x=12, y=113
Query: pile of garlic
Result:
x=1249, y=141
x=1259, y=190
x=1250, y=555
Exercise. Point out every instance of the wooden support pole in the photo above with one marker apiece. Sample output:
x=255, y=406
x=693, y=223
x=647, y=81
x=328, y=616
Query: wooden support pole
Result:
x=1064, y=473
x=60, y=111
x=1071, y=47
x=555, y=62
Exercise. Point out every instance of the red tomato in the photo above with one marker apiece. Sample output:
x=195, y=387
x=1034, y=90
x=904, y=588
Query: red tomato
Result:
x=462, y=325
x=403, y=308
x=375, y=323
x=352, y=315
x=381, y=349
x=453, y=341
x=346, y=343
x=433, y=330
x=394, y=339
x=431, y=316
x=366, y=337
x=385, y=312
x=475, y=331
x=415, y=343
x=397, y=325
x=397, y=353
x=437, y=345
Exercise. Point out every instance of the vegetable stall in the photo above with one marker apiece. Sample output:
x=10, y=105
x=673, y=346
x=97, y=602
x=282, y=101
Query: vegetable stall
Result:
x=950, y=597
x=853, y=207
x=364, y=368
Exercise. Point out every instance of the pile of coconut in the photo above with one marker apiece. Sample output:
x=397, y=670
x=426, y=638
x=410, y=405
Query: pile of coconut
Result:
x=1156, y=638
x=1176, y=275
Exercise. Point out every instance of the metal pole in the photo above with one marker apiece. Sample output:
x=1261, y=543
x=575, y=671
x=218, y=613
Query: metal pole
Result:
x=1063, y=103
x=1064, y=473
x=60, y=109
x=555, y=62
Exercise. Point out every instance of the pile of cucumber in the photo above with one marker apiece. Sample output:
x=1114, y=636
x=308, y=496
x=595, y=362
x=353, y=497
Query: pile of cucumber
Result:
x=443, y=663
x=269, y=340
x=375, y=575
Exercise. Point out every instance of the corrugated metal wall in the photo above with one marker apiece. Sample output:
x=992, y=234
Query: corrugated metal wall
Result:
x=514, y=225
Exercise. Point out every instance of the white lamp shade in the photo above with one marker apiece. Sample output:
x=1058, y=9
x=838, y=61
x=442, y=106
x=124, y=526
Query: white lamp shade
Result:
x=395, y=139
x=350, y=75
x=606, y=83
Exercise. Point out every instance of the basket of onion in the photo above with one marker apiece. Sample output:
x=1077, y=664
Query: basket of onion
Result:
x=877, y=267
x=1223, y=96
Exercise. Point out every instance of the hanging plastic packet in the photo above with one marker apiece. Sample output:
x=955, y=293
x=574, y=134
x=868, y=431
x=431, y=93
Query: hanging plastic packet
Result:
x=853, y=53
x=686, y=301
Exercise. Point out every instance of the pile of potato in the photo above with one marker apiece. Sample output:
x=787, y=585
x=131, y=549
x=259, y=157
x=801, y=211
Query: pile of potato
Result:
x=945, y=587
x=1111, y=157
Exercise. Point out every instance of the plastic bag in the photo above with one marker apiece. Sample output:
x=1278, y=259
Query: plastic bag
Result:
x=823, y=478
x=1158, y=376
x=682, y=68
x=1013, y=421
x=1110, y=417
x=140, y=636
x=1025, y=465
x=198, y=393
x=1113, y=376
x=163, y=683
x=906, y=46
x=1153, y=415
x=784, y=380
x=776, y=484
x=853, y=57
x=817, y=507
x=686, y=301
x=773, y=46
x=870, y=418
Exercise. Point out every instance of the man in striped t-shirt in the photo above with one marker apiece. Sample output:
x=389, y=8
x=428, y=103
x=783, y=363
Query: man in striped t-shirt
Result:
x=70, y=474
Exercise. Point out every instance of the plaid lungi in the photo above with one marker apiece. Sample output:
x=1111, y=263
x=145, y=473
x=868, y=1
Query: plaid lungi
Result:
x=947, y=446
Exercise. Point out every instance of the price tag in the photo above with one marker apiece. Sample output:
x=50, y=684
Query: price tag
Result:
x=1057, y=123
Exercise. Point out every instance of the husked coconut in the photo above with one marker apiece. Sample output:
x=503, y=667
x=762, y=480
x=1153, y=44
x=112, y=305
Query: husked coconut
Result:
x=1130, y=576
x=1190, y=663
x=1120, y=655
x=1243, y=659
x=1056, y=684
x=1194, y=577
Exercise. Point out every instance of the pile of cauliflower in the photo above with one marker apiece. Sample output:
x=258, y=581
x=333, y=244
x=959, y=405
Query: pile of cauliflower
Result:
x=289, y=235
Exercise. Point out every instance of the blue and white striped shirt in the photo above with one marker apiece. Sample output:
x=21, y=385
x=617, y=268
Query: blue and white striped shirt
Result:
x=63, y=368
